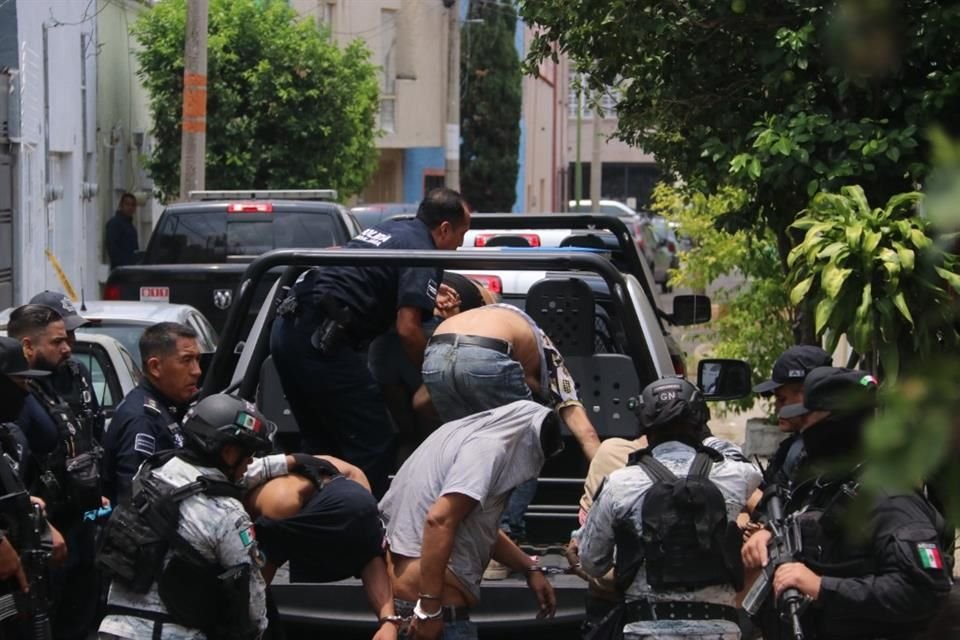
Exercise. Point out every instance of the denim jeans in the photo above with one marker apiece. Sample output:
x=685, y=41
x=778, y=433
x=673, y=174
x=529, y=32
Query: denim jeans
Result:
x=456, y=630
x=337, y=404
x=466, y=379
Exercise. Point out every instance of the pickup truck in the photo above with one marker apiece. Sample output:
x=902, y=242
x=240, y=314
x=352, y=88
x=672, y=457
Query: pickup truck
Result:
x=199, y=249
x=610, y=381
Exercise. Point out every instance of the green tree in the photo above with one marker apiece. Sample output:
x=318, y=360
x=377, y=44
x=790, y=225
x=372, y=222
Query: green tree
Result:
x=782, y=98
x=286, y=108
x=490, y=107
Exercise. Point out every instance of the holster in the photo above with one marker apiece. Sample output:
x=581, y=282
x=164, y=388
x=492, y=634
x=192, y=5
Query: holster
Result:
x=334, y=320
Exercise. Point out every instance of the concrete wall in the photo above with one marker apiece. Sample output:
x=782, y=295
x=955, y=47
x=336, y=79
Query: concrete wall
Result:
x=123, y=125
x=49, y=154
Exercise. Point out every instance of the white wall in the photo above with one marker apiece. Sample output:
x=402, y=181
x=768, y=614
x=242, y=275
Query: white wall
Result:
x=67, y=224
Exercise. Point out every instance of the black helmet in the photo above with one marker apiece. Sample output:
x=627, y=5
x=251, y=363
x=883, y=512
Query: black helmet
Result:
x=669, y=400
x=223, y=419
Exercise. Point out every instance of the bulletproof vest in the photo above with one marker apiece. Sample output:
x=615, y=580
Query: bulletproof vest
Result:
x=686, y=540
x=80, y=396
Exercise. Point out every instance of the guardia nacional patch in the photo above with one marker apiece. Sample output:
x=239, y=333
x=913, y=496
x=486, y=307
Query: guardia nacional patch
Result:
x=930, y=557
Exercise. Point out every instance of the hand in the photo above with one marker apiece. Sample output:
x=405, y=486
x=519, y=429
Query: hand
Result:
x=796, y=575
x=448, y=301
x=425, y=629
x=572, y=554
x=387, y=631
x=542, y=588
x=39, y=501
x=10, y=565
x=754, y=551
x=750, y=528
x=104, y=501
x=58, y=554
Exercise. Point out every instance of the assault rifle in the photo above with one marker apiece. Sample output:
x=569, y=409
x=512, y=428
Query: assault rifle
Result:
x=30, y=534
x=783, y=547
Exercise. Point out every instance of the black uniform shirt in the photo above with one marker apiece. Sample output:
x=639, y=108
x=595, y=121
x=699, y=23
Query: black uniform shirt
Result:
x=375, y=293
x=139, y=428
x=122, y=241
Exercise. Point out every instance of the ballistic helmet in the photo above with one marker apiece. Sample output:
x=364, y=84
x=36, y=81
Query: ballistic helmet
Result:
x=222, y=419
x=672, y=400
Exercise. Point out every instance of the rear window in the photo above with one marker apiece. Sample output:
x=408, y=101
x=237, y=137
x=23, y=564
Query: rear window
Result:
x=216, y=235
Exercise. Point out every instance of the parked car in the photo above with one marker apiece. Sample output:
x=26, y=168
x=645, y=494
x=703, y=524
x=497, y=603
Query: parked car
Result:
x=199, y=249
x=607, y=208
x=610, y=382
x=368, y=215
x=126, y=322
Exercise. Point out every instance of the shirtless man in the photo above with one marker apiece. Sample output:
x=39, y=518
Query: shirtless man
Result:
x=442, y=510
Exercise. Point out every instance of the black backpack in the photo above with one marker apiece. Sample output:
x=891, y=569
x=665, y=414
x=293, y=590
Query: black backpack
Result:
x=686, y=541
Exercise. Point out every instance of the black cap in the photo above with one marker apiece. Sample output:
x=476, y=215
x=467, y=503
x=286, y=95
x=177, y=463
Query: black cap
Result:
x=62, y=305
x=836, y=390
x=793, y=365
x=13, y=362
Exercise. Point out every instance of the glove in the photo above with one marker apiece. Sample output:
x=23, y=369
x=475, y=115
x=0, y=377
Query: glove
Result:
x=313, y=469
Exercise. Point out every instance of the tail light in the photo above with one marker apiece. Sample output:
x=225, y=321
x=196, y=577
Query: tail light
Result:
x=481, y=239
x=111, y=292
x=491, y=283
x=250, y=207
x=671, y=247
x=679, y=366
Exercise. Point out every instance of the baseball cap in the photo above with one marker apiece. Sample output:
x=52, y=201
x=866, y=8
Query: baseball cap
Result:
x=793, y=365
x=13, y=362
x=835, y=389
x=62, y=305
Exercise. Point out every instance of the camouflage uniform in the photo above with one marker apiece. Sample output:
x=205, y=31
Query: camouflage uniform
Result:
x=221, y=531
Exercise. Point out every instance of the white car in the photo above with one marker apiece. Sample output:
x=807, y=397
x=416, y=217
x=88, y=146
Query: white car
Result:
x=113, y=371
x=126, y=321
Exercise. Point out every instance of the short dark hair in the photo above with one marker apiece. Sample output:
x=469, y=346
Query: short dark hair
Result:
x=161, y=340
x=125, y=195
x=30, y=319
x=442, y=205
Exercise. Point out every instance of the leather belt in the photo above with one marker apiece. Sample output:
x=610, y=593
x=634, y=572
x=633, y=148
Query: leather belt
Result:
x=494, y=344
x=450, y=614
x=674, y=610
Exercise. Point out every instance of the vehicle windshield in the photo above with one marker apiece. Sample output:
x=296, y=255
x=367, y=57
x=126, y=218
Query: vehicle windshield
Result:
x=126, y=334
x=213, y=236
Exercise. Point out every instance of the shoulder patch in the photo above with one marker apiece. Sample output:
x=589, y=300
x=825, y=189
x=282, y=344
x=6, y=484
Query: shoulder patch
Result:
x=152, y=406
x=930, y=557
x=145, y=443
x=247, y=535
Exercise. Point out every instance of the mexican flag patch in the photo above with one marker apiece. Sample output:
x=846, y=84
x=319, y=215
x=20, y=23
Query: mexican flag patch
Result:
x=247, y=536
x=929, y=556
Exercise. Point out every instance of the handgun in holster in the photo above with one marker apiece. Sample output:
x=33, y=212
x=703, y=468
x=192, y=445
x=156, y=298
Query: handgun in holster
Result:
x=332, y=330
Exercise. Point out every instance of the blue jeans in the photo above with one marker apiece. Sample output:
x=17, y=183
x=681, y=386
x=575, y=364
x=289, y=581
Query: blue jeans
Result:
x=465, y=379
x=337, y=404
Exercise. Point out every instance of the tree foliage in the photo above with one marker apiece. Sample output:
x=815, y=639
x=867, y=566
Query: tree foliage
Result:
x=783, y=98
x=490, y=107
x=877, y=276
x=286, y=108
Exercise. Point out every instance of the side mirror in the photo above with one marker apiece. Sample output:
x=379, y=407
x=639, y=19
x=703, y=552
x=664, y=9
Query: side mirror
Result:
x=722, y=379
x=690, y=309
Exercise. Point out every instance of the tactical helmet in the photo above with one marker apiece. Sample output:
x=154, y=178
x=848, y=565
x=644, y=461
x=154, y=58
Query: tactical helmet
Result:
x=223, y=419
x=670, y=400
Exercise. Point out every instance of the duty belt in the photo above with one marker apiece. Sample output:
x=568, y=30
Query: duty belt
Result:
x=675, y=610
x=494, y=344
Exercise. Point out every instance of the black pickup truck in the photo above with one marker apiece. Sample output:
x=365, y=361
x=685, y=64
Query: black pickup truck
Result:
x=610, y=374
x=200, y=249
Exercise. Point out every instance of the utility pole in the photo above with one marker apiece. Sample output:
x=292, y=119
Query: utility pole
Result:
x=452, y=131
x=193, y=143
x=596, y=167
x=578, y=166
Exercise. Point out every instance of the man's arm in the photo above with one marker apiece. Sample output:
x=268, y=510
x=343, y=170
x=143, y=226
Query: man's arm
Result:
x=410, y=330
x=443, y=518
x=596, y=540
x=376, y=582
x=508, y=553
x=582, y=429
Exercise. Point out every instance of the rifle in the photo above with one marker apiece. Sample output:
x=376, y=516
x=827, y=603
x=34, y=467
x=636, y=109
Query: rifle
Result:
x=783, y=547
x=31, y=536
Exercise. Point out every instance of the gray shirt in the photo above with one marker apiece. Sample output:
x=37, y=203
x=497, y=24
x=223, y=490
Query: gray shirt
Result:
x=621, y=501
x=483, y=456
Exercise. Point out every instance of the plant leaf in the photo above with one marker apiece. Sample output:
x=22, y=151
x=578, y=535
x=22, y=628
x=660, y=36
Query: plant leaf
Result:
x=854, y=233
x=822, y=314
x=832, y=279
x=907, y=257
x=798, y=292
x=890, y=359
x=952, y=278
x=900, y=302
x=871, y=240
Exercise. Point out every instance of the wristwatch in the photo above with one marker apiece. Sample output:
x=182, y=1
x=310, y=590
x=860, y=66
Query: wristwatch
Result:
x=420, y=614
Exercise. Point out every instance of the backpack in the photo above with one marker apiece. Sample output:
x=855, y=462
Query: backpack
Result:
x=686, y=541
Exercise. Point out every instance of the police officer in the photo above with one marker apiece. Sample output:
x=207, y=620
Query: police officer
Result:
x=786, y=386
x=147, y=420
x=205, y=579
x=319, y=337
x=885, y=578
x=666, y=523
x=63, y=468
x=72, y=378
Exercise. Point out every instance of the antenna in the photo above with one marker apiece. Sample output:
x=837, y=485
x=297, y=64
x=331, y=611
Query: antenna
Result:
x=83, y=300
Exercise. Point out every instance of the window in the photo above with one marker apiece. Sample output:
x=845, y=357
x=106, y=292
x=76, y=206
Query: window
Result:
x=577, y=94
x=325, y=13
x=388, y=71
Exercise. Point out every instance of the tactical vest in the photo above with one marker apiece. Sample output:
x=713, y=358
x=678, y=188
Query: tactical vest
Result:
x=82, y=402
x=686, y=541
x=70, y=474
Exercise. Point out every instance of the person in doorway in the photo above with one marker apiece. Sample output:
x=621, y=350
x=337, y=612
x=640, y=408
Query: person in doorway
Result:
x=122, y=243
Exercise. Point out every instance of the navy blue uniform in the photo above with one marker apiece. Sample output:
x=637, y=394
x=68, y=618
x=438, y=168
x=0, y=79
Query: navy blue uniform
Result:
x=145, y=422
x=338, y=405
x=122, y=241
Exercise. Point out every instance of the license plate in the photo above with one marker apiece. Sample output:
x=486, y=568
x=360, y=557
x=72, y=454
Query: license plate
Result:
x=154, y=294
